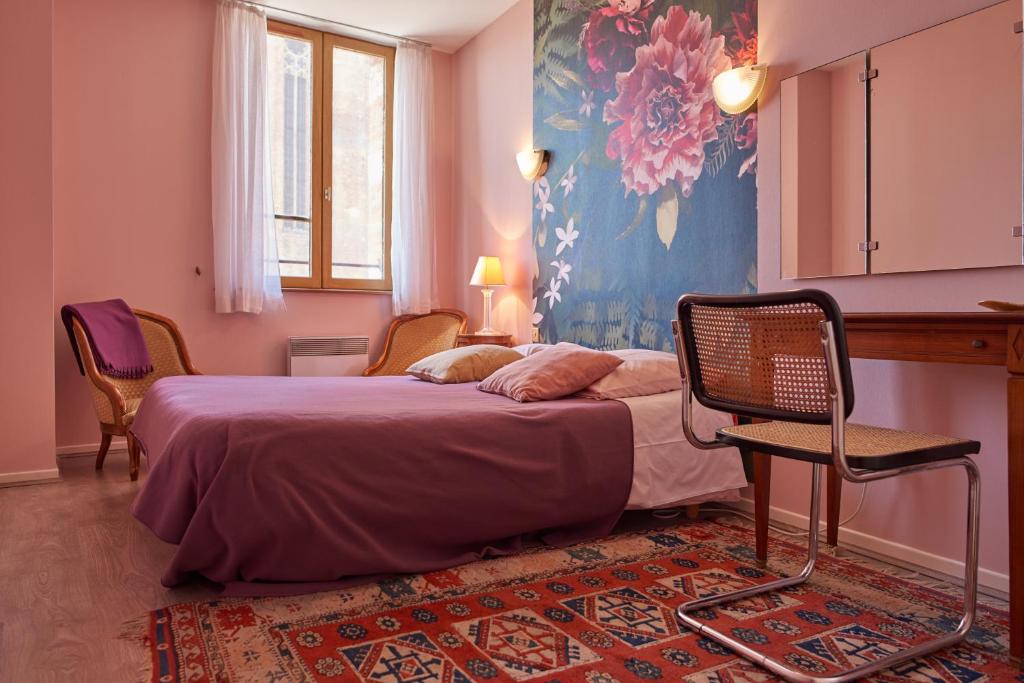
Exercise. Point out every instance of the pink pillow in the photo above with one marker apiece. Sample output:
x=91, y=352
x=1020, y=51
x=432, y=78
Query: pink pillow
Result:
x=559, y=371
x=642, y=373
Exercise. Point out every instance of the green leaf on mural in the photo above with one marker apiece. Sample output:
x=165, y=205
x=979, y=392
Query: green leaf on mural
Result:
x=567, y=79
x=562, y=122
x=641, y=213
x=556, y=43
x=667, y=214
x=721, y=148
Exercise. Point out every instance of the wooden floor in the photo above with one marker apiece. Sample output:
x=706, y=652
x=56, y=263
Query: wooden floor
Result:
x=74, y=566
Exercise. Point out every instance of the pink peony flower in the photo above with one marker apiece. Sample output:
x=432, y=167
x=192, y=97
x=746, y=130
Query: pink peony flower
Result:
x=665, y=106
x=746, y=138
x=611, y=37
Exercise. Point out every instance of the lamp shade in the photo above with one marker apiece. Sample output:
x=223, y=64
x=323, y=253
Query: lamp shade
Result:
x=488, y=272
x=737, y=89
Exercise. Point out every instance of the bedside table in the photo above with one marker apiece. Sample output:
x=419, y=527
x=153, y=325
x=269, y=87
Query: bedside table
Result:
x=471, y=339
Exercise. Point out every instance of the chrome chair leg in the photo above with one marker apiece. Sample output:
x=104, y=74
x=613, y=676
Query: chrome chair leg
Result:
x=785, y=672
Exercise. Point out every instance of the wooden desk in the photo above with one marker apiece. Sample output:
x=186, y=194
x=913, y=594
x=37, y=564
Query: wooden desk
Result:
x=968, y=338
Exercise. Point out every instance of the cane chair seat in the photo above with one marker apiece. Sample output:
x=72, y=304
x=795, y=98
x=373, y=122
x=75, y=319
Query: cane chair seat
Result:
x=867, y=447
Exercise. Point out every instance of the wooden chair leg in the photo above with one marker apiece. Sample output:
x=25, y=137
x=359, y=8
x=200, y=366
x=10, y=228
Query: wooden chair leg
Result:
x=104, y=447
x=133, y=457
x=762, y=495
x=835, y=497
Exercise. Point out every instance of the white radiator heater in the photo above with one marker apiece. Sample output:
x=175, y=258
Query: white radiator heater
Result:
x=327, y=356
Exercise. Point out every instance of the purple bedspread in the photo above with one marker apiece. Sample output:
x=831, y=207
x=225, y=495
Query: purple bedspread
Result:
x=283, y=479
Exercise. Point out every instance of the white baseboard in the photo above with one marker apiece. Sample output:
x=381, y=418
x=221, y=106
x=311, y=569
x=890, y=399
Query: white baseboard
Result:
x=90, y=448
x=873, y=545
x=35, y=477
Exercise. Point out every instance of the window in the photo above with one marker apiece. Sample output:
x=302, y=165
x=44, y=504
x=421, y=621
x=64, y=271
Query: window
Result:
x=330, y=121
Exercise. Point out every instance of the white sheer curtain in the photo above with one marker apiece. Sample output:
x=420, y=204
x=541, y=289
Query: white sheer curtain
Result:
x=246, y=271
x=414, y=281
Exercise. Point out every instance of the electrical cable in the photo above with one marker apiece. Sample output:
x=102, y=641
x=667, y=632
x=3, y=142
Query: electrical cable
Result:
x=675, y=512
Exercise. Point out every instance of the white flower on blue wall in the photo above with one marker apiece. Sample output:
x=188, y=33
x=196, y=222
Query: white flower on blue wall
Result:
x=551, y=294
x=537, y=316
x=569, y=181
x=563, y=269
x=587, y=108
x=542, y=189
x=566, y=237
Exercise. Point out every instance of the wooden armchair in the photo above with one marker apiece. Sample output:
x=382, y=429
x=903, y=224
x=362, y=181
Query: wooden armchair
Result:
x=116, y=399
x=414, y=337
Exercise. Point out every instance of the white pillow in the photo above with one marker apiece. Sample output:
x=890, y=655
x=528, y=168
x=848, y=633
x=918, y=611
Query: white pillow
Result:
x=530, y=349
x=642, y=373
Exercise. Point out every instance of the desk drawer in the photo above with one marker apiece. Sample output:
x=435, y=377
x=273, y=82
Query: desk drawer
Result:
x=979, y=347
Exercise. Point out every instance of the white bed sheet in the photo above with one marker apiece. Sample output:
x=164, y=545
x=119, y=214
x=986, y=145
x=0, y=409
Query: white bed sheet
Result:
x=667, y=470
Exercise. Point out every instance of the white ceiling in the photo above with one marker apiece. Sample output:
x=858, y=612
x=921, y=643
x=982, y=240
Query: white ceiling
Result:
x=447, y=24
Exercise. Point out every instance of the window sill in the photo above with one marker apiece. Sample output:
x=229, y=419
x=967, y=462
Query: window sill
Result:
x=290, y=290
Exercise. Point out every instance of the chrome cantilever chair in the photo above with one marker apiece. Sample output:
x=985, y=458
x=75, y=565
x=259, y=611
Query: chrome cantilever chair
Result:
x=782, y=359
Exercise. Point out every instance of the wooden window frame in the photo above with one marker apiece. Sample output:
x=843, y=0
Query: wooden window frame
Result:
x=332, y=42
x=321, y=231
x=315, y=38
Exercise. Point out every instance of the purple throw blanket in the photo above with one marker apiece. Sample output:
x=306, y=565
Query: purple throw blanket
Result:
x=288, y=479
x=114, y=336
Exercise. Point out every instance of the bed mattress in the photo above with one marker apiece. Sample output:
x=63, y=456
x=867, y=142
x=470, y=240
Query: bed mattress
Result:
x=305, y=480
x=667, y=470
x=261, y=479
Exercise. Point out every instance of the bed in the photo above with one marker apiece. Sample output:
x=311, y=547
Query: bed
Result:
x=262, y=480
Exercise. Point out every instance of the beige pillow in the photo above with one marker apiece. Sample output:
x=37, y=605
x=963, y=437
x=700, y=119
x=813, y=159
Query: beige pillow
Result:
x=559, y=371
x=642, y=373
x=465, y=364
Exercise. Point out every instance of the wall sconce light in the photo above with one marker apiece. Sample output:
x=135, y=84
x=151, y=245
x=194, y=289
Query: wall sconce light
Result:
x=737, y=89
x=533, y=163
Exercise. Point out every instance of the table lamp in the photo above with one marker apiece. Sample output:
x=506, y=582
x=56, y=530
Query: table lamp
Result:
x=487, y=274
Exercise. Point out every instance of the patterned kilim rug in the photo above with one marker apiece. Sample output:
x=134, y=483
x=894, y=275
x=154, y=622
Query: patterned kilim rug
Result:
x=598, y=612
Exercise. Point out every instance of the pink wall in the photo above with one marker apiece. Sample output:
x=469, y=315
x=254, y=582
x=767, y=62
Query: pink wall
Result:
x=493, y=81
x=131, y=204
x=926, y=511
x=26, y=276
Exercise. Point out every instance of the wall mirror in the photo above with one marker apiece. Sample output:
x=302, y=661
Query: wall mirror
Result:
x=907, y=157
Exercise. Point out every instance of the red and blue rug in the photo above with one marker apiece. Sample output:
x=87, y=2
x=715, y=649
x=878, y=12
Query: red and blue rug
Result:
x=600, y=612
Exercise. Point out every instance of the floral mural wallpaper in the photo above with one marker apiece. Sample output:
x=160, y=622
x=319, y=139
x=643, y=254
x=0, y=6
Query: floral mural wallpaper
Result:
x=651, y=191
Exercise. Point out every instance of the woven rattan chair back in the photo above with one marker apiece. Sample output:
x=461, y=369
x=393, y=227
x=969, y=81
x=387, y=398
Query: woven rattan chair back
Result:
x=761, y=355
x=167, y=352
x=116, y=399
x=414, y=337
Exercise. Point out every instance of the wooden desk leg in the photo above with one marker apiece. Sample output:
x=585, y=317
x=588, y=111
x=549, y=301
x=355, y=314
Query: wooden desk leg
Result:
x=835, y=498
x=1015, y=453
x=762, y=495
x=1015, y=480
